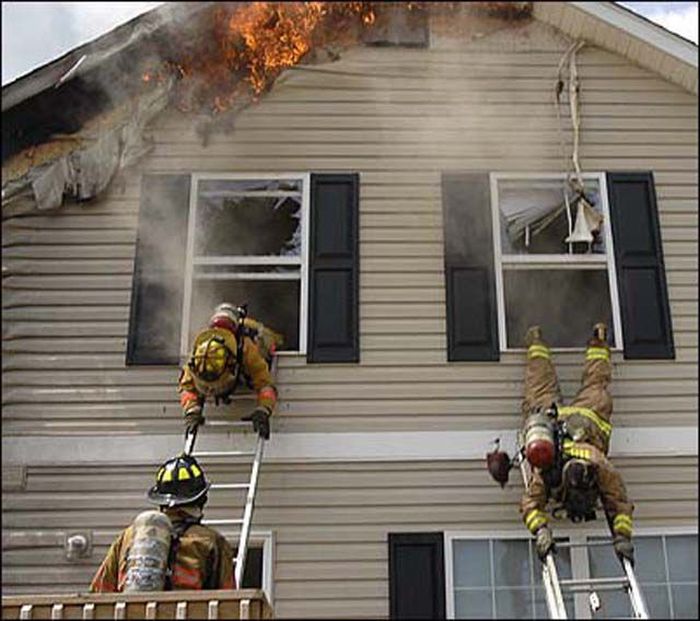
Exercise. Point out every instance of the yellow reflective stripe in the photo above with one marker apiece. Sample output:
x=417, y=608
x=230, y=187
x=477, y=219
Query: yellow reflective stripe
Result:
x=534, y=519
x=159, y=476
x=622, y=519
x=183, y=474
x=604, y=426
x=575, y=451
x=538, y=351
x=597, y=357
x=598, y=350
x=167, y=476
x=195, y=471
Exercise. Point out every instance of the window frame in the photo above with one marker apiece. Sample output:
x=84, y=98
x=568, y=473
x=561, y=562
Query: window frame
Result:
x=579, y=555
x=554, y=261
x=266, y=541
x=303, y=260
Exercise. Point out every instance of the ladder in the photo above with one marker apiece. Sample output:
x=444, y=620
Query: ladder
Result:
x=251, y=487
x=550, y=576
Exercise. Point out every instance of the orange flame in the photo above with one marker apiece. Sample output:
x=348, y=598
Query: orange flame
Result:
x=248, y=46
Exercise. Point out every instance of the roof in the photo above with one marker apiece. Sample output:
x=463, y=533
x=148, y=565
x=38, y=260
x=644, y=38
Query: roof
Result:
x=636, y=35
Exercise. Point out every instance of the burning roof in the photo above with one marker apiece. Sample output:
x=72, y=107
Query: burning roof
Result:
x=207, y=59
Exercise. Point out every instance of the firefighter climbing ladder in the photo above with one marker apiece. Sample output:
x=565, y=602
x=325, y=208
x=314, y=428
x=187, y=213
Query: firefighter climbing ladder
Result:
x=553, y=585
x=251, y=486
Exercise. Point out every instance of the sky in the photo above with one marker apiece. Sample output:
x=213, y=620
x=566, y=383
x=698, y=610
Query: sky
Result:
x=34, y=33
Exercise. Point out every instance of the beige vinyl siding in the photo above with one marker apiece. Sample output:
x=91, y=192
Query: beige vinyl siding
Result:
x=399, y=117
x=330, y=521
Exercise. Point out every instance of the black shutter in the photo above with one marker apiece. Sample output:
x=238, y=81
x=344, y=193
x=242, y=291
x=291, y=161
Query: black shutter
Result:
x=641, y=277
x=334, y=269
x=416, y=576
x=159, y=265
x=472, y=329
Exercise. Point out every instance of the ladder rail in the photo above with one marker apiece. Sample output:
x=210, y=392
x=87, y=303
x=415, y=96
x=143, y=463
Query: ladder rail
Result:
x=248, y=513
x=639, y=605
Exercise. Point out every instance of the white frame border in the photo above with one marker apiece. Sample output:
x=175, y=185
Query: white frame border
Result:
x=303, y=260
x=267, y=539
x=574, y=534
x=556, y=261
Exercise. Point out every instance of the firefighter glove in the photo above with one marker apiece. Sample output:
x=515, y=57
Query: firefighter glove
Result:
x=194, y=416
x=544, y=542
x=624, y=548
x=261, y=421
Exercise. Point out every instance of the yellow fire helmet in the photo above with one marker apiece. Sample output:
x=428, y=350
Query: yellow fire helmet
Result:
x=214, y=351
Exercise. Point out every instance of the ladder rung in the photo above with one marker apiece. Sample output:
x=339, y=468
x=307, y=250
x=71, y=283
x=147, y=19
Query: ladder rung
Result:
x=230, y=486
x=227, y=423
x=223, y=453
x=595, y=581
x=583, y=544
x=222, y=522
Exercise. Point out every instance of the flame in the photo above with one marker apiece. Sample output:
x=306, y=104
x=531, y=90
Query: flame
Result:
x=247, y=46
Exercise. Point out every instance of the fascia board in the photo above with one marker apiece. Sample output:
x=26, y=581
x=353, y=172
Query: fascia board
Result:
x=144, y=449
x=641, y=29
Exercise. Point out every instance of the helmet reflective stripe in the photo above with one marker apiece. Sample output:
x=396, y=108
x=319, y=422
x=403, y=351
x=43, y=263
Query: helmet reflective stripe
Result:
x=195, y=470
x=167, y=476
x=182, y=474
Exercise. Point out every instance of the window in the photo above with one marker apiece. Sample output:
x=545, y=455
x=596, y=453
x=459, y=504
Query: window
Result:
x=543, y=275
x=247, y=242
x=499, y=576
x=667, y=570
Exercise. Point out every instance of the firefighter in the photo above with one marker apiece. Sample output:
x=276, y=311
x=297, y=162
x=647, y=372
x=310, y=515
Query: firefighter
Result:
x=231, y=345
x=194, y=557
x=583, y=473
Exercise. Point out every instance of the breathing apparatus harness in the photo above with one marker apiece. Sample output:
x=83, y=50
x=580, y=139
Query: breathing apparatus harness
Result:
x=579, y=500
x=178, y=532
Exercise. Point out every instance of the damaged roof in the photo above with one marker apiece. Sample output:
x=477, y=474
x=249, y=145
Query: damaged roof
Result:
x=71, y=124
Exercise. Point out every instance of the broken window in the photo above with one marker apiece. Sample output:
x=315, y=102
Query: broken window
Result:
x=247, y=245
x=553, y=257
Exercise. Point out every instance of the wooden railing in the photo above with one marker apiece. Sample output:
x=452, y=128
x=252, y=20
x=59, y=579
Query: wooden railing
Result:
x=224, y=604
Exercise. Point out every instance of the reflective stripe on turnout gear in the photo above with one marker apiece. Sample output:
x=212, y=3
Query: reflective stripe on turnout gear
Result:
x=538, y=351
x=622, y=524
x=188, y=397
x=535, y=519
x=597, y=353
x=572, y=450
x=604, y=426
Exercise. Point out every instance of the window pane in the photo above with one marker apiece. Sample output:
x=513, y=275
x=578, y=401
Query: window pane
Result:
x=656, y=598
x=511, y=562
x=472, y=566
x=566, y=303
x=230, y=222
x=473, y=604
x=683, y=558
x=274, y=302
x=513, y=603
x=685, y=601
x=541, y=610
x=603, y=563
x=538, y=205
x=650, y=565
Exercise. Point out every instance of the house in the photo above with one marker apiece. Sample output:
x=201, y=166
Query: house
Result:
x=378, y=167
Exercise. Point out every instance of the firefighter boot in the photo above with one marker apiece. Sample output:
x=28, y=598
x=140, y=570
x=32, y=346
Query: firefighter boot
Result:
x=600, y=336
x=533, y=336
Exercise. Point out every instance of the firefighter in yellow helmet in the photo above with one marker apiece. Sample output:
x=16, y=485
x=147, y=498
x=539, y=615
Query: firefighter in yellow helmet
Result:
x=169, y=549
x=231, y=348
x=582, y=472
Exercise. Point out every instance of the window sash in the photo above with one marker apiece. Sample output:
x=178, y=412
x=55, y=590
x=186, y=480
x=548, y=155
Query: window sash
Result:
x=579, y=558
x=560, y=261
x=302, y=260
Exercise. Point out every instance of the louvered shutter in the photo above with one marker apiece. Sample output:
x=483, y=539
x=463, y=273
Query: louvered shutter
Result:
x=334, y=269
x=416, y=576
x=646, y=317
x=472, y=327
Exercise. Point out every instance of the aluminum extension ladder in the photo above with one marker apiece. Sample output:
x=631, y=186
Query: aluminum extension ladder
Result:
x=553, y=585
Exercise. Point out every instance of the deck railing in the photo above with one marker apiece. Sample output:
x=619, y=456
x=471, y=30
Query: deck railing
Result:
x=223, y=604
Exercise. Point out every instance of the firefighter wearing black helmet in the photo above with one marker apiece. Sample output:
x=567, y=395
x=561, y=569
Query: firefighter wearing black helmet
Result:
x=232, y=347
x=584, y=473
x=198, y=556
